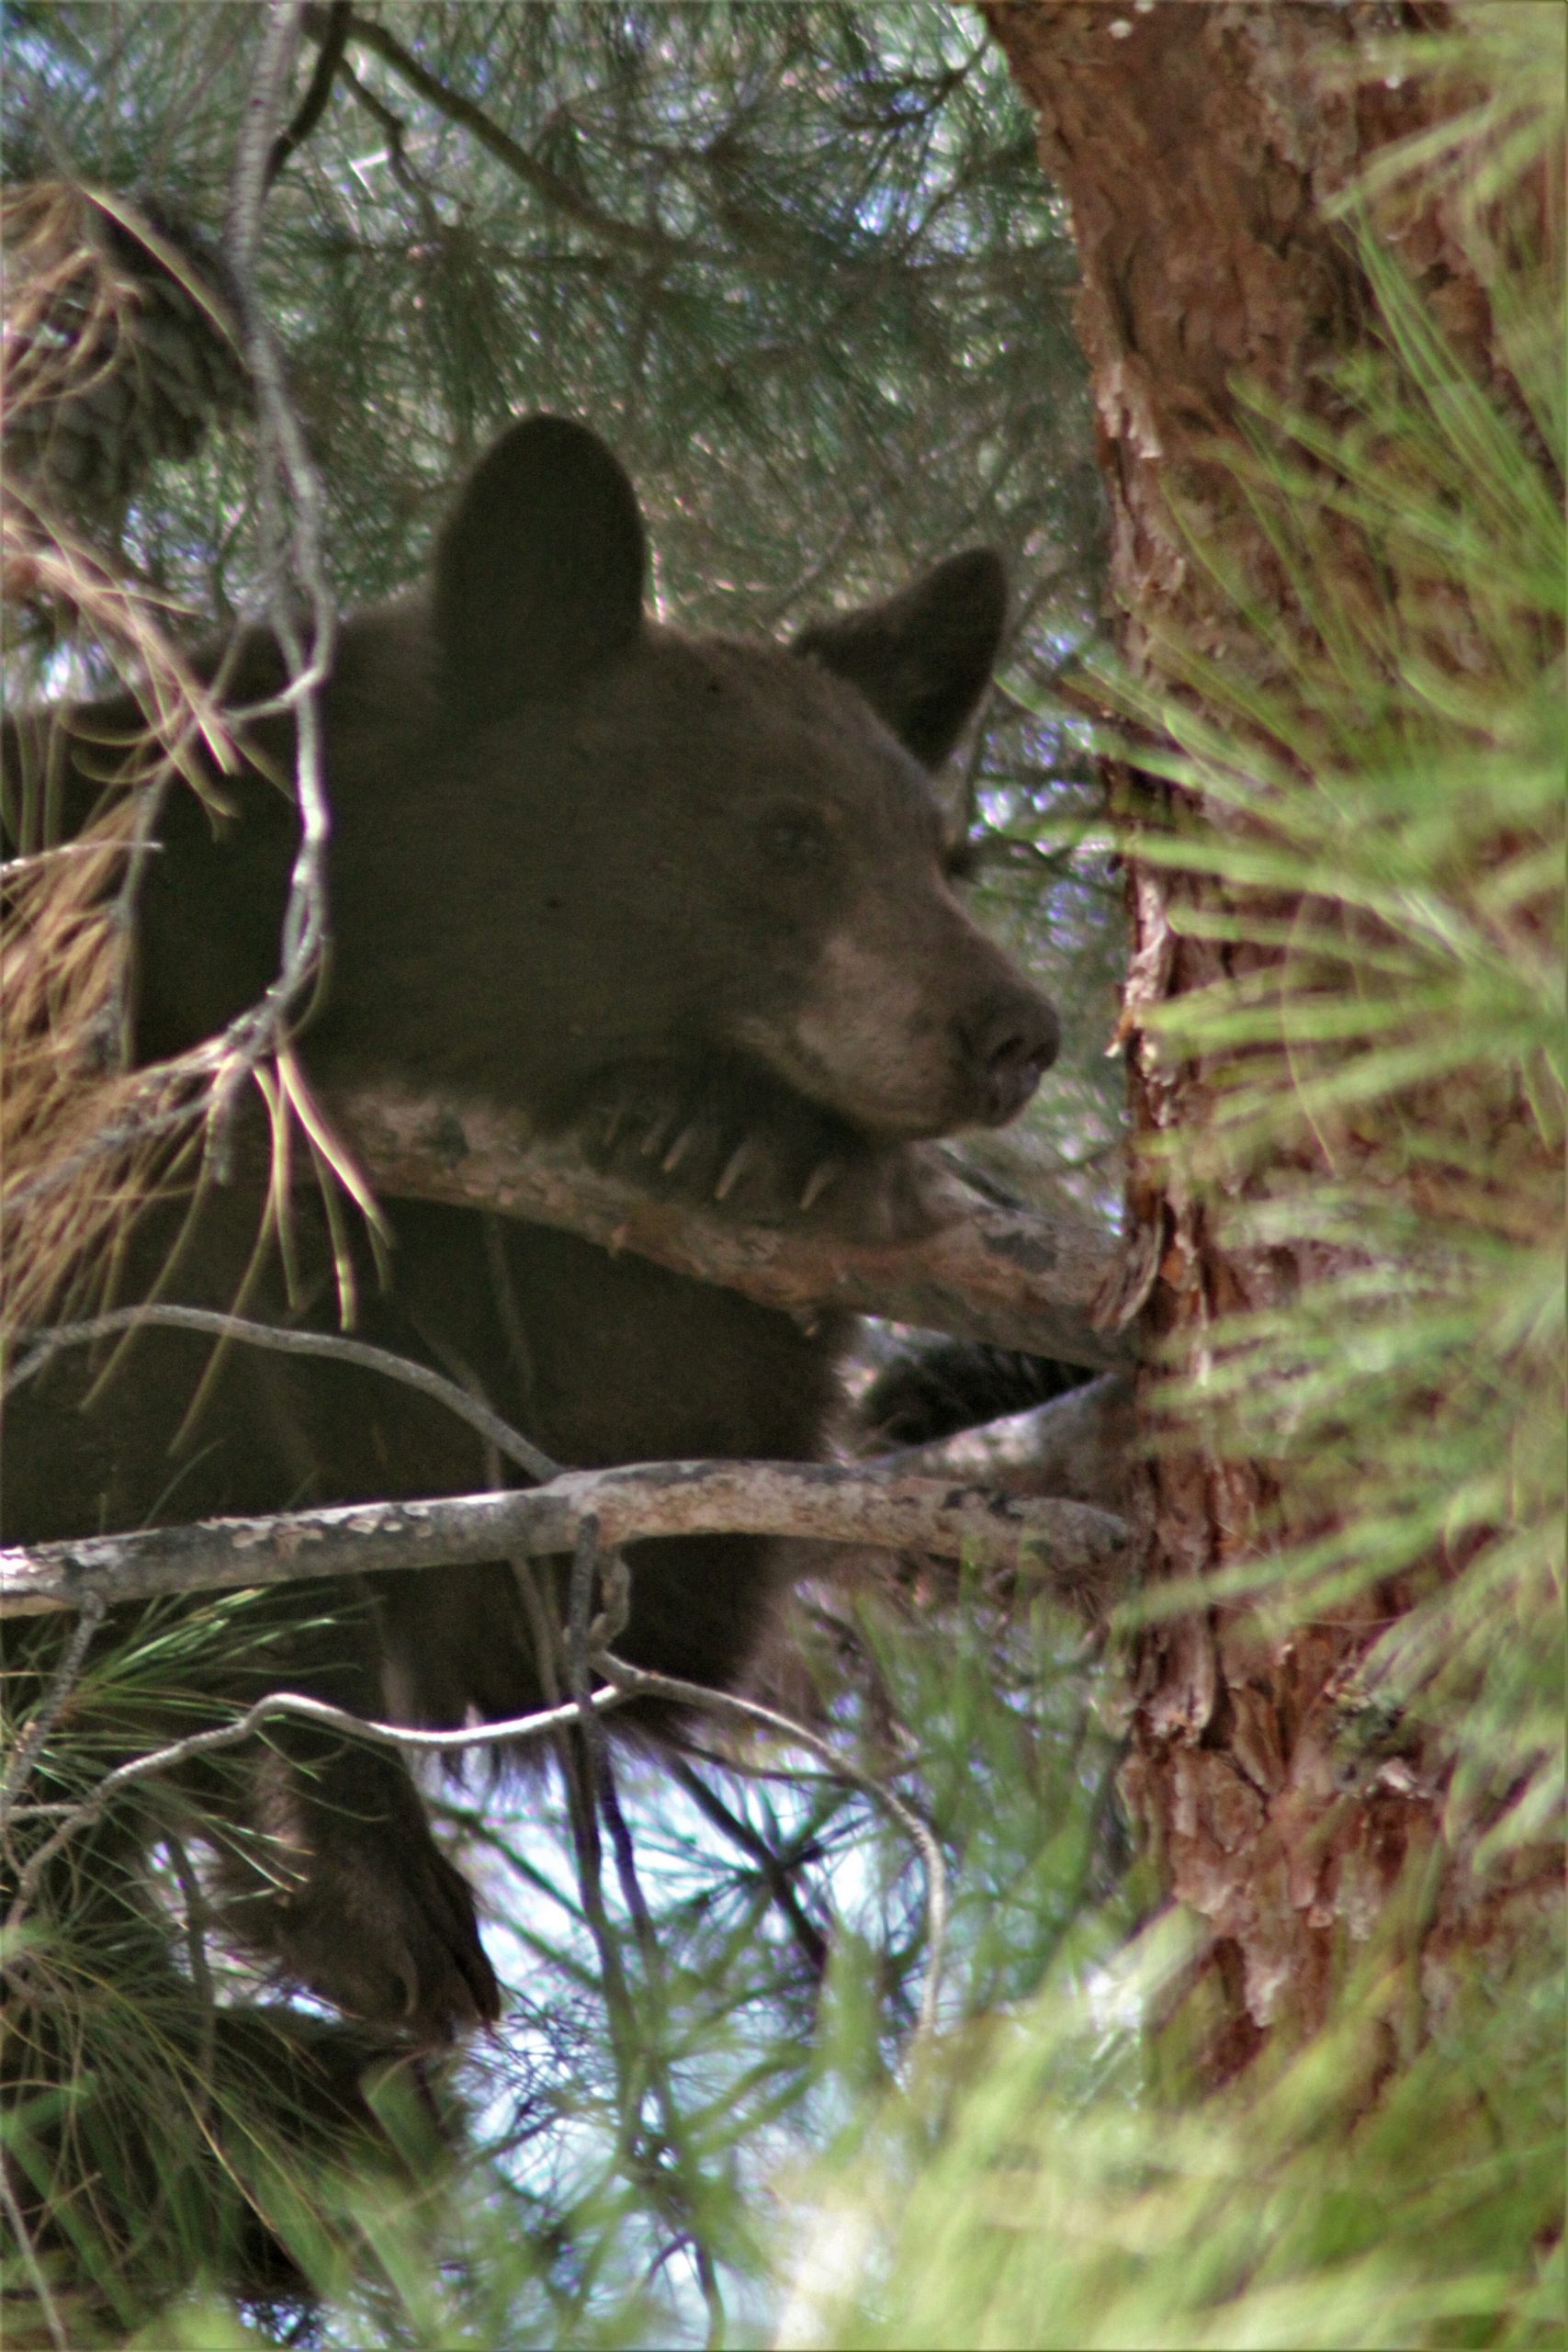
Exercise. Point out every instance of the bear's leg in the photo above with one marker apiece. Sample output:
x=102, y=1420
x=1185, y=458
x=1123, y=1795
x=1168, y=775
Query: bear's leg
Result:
x=334, y=1874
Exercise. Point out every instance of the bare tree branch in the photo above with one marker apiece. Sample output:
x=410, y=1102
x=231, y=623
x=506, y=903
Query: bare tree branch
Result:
x=292, y=505
x=1081, y=1553
x=22, y=2237
x=1017, y=1277
x=1075, y=1446
x=664, y=2158
x=275, y=1706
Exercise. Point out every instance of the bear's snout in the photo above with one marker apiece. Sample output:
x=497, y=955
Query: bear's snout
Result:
x=915, y=1033
x=1007, y=1044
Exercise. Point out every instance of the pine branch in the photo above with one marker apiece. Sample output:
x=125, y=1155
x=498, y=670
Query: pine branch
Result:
x=1018, y=1277
x=629, y=236
x=1081, y=1553
x=775, y=1871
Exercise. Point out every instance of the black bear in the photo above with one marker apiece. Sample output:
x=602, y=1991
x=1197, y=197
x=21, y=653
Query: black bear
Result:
x=685, y=898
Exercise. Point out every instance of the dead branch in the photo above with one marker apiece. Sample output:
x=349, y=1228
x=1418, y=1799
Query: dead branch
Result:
x=1081, y=1553
x=1018, y=1277
x=313, y=104
x=37, y=2278
x=1075, y=1446
x=292, y=505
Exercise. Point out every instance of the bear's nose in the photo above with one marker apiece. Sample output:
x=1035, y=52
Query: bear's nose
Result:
x=1013, y=1041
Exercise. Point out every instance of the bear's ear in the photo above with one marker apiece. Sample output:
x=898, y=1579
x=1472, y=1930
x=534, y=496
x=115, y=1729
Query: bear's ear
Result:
x=539, y=569
x=922, y=658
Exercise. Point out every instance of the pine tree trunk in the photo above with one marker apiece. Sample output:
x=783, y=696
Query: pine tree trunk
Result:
x=1197, y=147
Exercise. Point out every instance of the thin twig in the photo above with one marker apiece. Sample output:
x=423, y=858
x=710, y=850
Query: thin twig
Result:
x=288, y=469
x=507, y=1440
x=274, y=1705
x=18, y=1770
x=581, y=1761
x=624, y=1683
x=115, y=1031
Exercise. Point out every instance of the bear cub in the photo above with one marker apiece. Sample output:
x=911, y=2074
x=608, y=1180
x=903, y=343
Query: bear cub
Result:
x=687, y=899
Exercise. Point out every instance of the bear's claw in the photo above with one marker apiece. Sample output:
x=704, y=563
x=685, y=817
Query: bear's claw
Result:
x=764, y=1154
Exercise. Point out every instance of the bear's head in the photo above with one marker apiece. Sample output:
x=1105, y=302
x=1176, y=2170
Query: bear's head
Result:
x=592, y=842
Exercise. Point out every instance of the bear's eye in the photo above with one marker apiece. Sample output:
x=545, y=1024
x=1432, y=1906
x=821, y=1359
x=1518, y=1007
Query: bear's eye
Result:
x=795, y=836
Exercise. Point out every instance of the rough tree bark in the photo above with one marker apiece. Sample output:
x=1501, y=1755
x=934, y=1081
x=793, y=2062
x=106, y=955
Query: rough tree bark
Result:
x=1197, y=146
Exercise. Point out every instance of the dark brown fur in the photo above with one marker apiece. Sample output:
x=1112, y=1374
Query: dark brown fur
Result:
x=643, y=886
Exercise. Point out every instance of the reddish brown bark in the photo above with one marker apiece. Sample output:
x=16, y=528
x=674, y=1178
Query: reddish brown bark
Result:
x=1198, y=146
